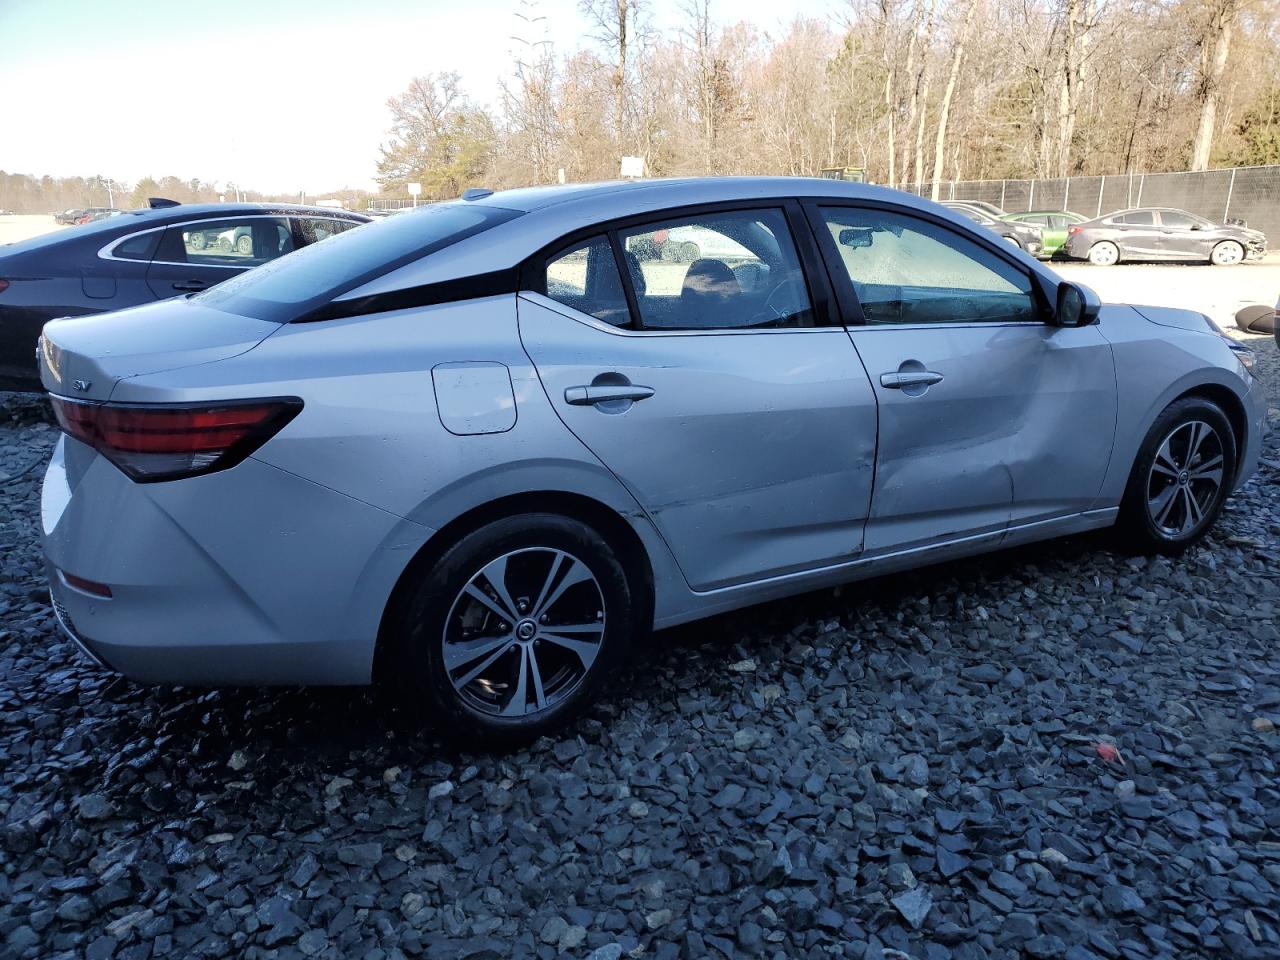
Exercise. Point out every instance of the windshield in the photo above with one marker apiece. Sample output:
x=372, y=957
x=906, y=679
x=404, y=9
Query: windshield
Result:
x=292, y=286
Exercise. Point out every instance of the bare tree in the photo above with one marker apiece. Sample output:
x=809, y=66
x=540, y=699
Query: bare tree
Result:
x=944, y=113
x=615, y=23
x=1215, y=47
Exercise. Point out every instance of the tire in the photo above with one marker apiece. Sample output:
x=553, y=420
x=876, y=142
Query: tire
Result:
x=199, y=241
x=1104, y=253
x=1184, y=471
x=1014, y=241
x=1227, y=253
x=690, y=252
x=533, y=556
x=244, y=245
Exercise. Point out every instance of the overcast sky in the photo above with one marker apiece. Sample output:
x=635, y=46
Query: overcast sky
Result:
x=276, y=95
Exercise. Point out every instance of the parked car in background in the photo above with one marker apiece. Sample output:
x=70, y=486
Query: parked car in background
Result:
x=477, y=450
x=1161, y=233
x=990, y=209
x=1022, y=235
x=68, y=216
x=94, y=214
x=1053, y=225
x=137, y=257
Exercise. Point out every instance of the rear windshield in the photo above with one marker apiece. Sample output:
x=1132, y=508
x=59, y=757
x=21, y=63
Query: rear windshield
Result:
x=293, y=286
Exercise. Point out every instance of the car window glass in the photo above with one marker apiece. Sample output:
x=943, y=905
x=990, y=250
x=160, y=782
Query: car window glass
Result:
x=1038, y=219
x=291, y=287
x=1139, y=218
x=138, y=247
x=1185, y=221
x=717, y=271
x=315, y=229
x=908, y=270
x=586, y=278
x=244, y=242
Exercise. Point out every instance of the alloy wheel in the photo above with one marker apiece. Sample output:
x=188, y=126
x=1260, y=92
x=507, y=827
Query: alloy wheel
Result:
x=1185, y=478
x=523, y=633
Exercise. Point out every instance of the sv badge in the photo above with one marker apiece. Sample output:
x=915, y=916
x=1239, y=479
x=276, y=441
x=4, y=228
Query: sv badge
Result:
x=82, y=385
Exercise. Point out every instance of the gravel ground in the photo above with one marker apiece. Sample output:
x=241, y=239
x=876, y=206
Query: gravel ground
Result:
x=1055, y=752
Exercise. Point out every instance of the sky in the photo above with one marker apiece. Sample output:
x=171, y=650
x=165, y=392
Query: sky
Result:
x=273, y=95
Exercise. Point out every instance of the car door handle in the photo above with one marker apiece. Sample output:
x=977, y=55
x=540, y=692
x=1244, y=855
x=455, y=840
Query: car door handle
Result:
x=911, y=378
x=605, y=392
x=190, y=285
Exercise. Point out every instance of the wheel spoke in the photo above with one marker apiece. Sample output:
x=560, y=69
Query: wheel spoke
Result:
x=519, y=702
x=1198, y=433
x=496, y=573
x=585, y=651
x=475, y=593
x=1194, y=512
x=1161, y=506
x=1209, y=470
x=463, y=652
x=595, y=627
x=556, y=558
x=1164, y=457
x=539, y=696
x=480, y=668
x=577, y=573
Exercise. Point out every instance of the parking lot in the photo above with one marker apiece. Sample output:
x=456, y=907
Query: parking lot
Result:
x=1060, y=751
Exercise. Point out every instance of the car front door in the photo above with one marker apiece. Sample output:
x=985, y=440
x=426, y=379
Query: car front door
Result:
x=1182, y=237
x=713, y=387
x=989, y=416
x=195, y=255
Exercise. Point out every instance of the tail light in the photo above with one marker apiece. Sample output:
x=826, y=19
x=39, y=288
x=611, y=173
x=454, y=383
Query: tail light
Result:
x=1072, y=231
x=4, y=285
x=170, y=441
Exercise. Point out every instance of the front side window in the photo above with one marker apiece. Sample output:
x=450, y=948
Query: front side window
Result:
x=234, y=242
x=1180, y=221
x=586, y=278
x=908, y=270
x=291, y=287
x=717, y=271
x=315, y=229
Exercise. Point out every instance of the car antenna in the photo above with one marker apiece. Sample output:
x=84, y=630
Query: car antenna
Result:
x=476, y=193
x=159, y=203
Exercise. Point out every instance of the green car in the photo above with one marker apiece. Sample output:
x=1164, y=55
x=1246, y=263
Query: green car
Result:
x=1054, y=224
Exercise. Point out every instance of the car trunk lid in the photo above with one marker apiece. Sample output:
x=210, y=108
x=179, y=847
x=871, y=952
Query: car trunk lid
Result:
x=85, y=357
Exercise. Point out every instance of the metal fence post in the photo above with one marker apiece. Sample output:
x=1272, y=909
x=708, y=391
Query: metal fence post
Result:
x=1142, y=182
x=1226, y=211
x=1066, y=194
x=1003, y=184
x=1031, y=203
x=1102, y=186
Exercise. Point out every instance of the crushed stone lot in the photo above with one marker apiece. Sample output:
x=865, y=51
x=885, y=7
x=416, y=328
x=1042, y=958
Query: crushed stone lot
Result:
x=1054, y=752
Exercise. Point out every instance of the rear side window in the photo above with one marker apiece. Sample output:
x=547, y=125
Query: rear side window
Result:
x=292, y=287
x=586, y=278
x=139, y=247
x=234, y=242
x=1141, y=218
x=315, y=229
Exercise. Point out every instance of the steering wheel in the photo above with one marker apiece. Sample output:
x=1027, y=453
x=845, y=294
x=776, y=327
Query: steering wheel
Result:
x=779, y=303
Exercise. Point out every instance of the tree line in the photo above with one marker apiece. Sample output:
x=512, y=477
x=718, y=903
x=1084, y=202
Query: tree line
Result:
x=910, y=91
x=24, y=193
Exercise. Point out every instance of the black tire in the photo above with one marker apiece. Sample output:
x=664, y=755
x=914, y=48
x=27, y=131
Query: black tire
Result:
x=421, y=639
x=1140, y=531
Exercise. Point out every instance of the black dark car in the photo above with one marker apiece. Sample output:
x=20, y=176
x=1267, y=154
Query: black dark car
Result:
x=137, y=257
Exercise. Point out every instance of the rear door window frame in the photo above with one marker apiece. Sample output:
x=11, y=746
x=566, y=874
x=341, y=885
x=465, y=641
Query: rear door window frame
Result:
x=533, y=270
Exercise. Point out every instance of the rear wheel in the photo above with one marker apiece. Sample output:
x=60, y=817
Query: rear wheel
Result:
x=244, y=245
x=1104, y=254
x=1181, y=479
x=516, y=630
x=1226, y=253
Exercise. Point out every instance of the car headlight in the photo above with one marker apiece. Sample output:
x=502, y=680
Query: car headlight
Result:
x=1242, y=353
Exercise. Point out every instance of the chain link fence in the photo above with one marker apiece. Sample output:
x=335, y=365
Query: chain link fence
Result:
x=1251, y=194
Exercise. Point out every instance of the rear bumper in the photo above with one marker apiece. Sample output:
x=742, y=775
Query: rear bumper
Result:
x=251, y=576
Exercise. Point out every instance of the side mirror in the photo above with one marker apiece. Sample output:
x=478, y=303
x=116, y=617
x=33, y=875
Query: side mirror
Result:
x=1197, y=226
x=1078, y=306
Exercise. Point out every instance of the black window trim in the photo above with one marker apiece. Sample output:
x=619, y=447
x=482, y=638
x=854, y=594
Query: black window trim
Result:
x=842, y=284
x=532, y=272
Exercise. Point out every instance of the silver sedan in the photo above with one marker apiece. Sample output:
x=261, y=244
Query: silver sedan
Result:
x=481, y=449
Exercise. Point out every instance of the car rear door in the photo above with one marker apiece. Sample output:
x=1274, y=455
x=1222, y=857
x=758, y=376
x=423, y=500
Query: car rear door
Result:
x=715, y=387
x=989, y=417
x=1138, y=236
x=194, y=255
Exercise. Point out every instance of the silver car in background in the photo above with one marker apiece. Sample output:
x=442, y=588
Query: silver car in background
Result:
x=483, y=448
x=1160, y=233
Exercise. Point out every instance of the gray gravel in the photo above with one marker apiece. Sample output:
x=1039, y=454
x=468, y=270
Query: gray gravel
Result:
x=1055, y=752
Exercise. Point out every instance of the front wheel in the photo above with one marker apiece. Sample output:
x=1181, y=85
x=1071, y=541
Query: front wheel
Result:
x=1226, y=253
x=1104, y=254
x=1184, y=471
x=517, y=629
